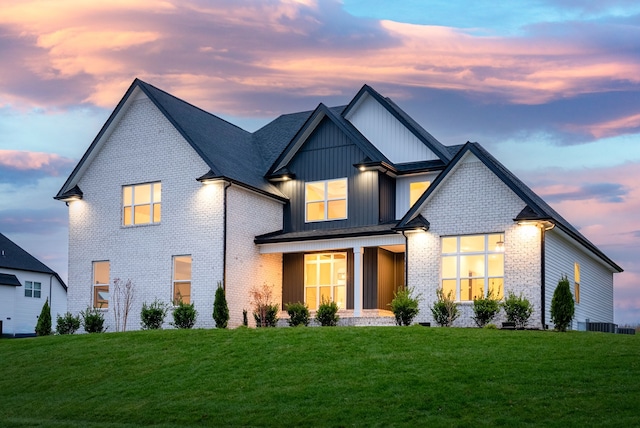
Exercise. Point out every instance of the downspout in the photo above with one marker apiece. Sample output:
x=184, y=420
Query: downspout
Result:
x=224, y=236
x=542, y=276
x=50, y=288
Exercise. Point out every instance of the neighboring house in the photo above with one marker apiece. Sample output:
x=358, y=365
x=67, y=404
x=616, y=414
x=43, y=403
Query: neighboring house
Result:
x=25, y=284
x=345, y=203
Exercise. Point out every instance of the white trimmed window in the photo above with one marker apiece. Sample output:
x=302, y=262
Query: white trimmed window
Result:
x=141, y=204
x=32, y=289
x=325, y=200
x=416, y=189
x=182, y=279
x=101, y=272
x=472, y=266
x=325, y=279
x=576, y=282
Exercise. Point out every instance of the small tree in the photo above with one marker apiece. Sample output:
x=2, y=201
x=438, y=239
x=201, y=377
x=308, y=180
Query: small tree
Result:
x=518, y=310
x=298, y=314
x=445, y=310
x=220, y=308
x=327, y=313
x=264, y=311
x=184, y=315
x=43, y=326
x=122, y=300
x=152, y=316
x=485, y=309
x=67, y=323
x=405, y=306
x=562, y=305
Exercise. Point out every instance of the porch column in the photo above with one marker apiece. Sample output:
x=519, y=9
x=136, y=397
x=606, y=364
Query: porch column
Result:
x=358, y=283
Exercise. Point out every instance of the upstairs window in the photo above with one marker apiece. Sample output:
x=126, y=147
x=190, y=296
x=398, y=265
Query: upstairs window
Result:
x=32, y=289
x=182, y=279
x=416, y=189
x=576, y=282
x=101, y=272
x=141, y=204
x=325, y=200
x=473, y=265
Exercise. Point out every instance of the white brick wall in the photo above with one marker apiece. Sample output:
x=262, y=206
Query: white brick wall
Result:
x=145, y=147
x=472, y=200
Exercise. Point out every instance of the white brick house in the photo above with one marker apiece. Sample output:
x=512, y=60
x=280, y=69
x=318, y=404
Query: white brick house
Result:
x=348, y=203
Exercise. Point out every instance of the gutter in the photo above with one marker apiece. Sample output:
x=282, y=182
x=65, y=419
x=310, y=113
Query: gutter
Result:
x=542, y=277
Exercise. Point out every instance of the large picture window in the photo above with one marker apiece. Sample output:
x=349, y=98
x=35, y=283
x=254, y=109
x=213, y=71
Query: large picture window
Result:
x=325, y=200
x=101, y=272
x=141, y=204
x=473, y=266
x=182, y=279
x=325, y=279
x=32, y=289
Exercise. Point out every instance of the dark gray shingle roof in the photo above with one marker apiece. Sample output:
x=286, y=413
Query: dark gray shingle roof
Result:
x=12, y=256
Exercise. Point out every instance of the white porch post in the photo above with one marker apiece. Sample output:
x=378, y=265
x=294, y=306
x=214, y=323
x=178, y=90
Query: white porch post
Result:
x=358, y=283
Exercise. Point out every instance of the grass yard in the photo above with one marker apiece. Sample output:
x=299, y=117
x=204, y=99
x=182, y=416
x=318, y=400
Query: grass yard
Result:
x=341, y=376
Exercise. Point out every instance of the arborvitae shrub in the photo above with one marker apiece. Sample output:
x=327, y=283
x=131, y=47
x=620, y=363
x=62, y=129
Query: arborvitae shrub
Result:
x=327, y=313
x=562, y=305
x=298, y=314
x=43, y=326
x=93, y=320
x=405, y=306
x=184, y=315
x=67, y=323
x=245, y=318
x=445, y=310
x=485, y=309
x=220, y=308
x=518, y=310
x=152, y=316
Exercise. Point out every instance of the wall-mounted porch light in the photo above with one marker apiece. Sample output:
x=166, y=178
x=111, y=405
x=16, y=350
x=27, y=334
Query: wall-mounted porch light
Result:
x=74, y=194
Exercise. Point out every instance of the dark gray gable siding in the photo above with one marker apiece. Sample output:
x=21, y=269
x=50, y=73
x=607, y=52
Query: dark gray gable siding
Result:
x=329, y=154
x=387, y=197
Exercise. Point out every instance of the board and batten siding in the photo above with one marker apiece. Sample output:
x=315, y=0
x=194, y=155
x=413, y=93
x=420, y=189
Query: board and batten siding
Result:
x=403, y=190
x=328, y=154
x=387, y=133
x=596, y=279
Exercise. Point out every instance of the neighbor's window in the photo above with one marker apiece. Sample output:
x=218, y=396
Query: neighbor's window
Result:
x=325, y=278
x=141, y=204
x=472, y=265
x=101, y=284
x=416, y=190
x=32, y=289
x=182, y=279
x=576, y=282
x=325, y=200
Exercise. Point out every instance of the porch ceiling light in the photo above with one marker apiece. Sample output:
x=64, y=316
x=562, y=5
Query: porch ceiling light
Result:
x=283, y=174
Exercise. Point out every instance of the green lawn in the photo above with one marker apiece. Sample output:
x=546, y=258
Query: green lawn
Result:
x=341, y=376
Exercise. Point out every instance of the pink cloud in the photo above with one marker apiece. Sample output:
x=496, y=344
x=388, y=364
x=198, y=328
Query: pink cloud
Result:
x=44, y=163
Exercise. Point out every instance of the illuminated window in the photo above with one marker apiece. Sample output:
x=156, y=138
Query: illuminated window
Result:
x=416, y=190
x=325, y=279
x=141, y=204
x=182, y=279
x=576, y=282
x=32, y=289
x=472, y=266
x=325, y=200
x=101, y=284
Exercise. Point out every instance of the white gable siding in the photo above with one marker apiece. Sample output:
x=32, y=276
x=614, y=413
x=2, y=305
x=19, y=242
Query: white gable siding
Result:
x=472, y=200
x=145, y=147
x=596, y=280
x=250, y=215
x=402, y=190
x=387, y=133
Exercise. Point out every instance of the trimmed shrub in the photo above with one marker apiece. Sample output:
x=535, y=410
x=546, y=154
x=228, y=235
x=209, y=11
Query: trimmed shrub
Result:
x=445, y=310
x=562, y=305
x=152, y=316
x=267, y=316
x=405, y=306
x=518, y=310
x=43, y=326
x=220, y=308
x=184, y=315
x=298, y=314
x=67, y=323
x=485, y=309
x=327, y=313
x=93, y=320
x=245, y=318
x=265, y=312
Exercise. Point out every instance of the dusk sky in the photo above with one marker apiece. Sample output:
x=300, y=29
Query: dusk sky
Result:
x=550, y=87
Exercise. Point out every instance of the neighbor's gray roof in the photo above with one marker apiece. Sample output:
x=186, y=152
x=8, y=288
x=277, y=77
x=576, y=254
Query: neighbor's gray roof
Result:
x=12, y=256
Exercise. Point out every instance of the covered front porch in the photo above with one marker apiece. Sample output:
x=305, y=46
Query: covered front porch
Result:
x=359, y=270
